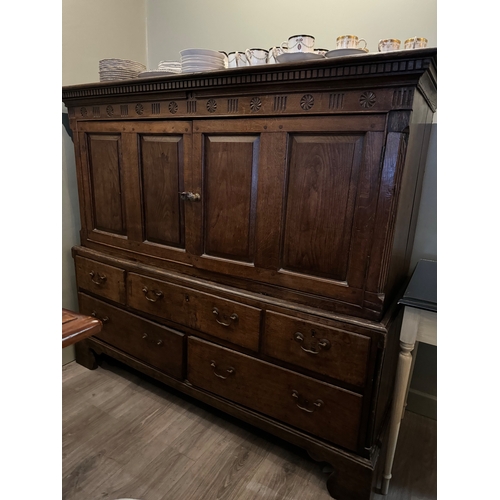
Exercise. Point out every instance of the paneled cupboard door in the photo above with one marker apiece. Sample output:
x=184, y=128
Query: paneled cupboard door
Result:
x=228, y=158
x=134, y=175
x=289, y=201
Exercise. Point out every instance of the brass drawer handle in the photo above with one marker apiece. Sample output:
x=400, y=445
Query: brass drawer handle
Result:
x=187, y=195
x=323, y=343
x=103, y=319
x=158, y=294
x=233, y=317
x=318, y=403
x=230, y=370
x=101, y=278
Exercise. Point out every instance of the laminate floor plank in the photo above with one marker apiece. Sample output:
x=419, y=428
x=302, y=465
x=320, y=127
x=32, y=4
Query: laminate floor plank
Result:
x=127, y=436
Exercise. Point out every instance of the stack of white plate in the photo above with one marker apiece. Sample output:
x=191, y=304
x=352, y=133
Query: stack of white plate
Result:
x=194, y=60
x=172, y=66
x=119, y=69
x=165, y=68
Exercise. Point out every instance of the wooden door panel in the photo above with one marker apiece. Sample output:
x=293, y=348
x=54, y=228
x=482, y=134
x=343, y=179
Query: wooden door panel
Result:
x=322, y=178
x=161, y=165
x=140, y=169
x=108, y=205
x=289, y=202
x=230, y=171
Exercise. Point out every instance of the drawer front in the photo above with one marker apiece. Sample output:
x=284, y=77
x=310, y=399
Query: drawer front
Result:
x=101, y=279
x=151, y=343
x=231, y=321
x=326, y=411
x=322, y=349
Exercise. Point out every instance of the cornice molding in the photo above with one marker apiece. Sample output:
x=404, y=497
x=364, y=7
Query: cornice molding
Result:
x=414, y=62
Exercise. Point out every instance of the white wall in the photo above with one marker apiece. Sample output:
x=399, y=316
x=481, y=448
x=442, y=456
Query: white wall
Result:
x=91, y=30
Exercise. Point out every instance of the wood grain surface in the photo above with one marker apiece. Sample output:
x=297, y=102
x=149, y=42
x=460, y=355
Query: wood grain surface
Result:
x=76, y=327
x=125, y=436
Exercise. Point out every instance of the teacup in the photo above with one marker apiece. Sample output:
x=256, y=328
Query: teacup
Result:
x=299, y=43
x=256, y=56
x=350, y=42
x=242, y=59
x=416, y=43
x=237, y=59
x=274, y=52
x=388, y=44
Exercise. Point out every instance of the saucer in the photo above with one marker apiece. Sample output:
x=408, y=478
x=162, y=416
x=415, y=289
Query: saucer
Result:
x=298, y=56
x=344, y=52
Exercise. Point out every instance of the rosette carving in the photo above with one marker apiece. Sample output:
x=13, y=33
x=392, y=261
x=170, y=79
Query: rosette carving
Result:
x=173, y=107
x=367, y=99
x=211, y=105
x=307, y=102
x=255, y=104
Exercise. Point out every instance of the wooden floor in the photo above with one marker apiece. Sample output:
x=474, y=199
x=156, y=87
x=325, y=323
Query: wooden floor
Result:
x=125, y=436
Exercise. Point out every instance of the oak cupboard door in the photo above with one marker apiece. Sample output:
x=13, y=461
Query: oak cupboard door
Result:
x=136, y=172
x=160, y=163
x=332, y=174
x=289, y=201
x=227, y=159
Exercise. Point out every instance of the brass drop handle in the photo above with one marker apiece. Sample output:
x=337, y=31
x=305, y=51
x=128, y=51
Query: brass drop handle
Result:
x=101, y=278
x=230, y=370
x=187, y=195
x=160, y=342
x=103, y=319
x=323, y=343
x=158, y=294
x=233, y=317
x=318, y=403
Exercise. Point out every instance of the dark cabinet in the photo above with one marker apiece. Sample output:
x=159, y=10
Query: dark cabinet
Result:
x=246, y=233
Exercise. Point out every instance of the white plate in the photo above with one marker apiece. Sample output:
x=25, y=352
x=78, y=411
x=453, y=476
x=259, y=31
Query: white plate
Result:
x=146, y=74
x=298, y=56
x=344, y=52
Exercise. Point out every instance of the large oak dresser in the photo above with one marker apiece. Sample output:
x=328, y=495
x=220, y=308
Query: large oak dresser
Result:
x=245, y=235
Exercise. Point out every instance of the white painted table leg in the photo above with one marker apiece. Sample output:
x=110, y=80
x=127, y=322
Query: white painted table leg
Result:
x=413, y=358
x=401, y=383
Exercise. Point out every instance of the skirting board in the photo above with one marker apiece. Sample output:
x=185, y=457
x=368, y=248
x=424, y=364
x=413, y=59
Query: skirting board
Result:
x=422, y=404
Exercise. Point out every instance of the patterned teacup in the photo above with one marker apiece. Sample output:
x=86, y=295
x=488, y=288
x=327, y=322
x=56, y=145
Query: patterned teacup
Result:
x=256, y=56
x=274, y=52
x=388, y=44
x=237, y=59
x=416, y=43
x=299, y=43
x=350, y=42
